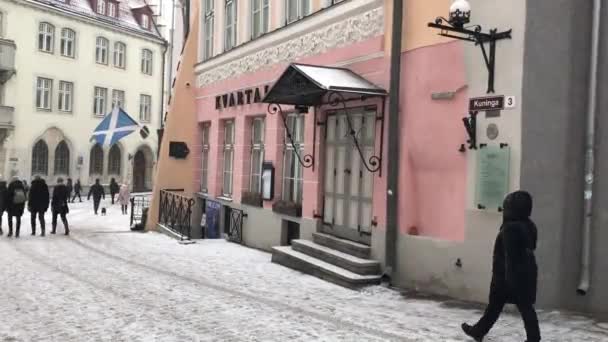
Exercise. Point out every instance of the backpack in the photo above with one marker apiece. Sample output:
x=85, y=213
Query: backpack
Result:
x=19, y=197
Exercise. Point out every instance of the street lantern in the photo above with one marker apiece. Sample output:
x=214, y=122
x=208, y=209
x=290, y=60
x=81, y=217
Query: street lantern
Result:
x=460, y=15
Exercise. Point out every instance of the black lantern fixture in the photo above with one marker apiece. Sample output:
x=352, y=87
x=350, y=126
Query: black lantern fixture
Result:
x=460, y=15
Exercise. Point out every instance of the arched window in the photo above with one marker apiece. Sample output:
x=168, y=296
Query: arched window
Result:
x=62, y=159
x=46, y=37
x=68, y=42
x=40, y=158
x=120, y=55
x=101, y=50
x=114, y=160
x=96, y=160
x=146, y=61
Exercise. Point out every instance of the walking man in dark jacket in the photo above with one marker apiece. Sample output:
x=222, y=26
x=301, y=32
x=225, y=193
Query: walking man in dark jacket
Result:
x=514, y=269
x=3, y=202
x=38, y=203
x=16, y=198
x=114, y=189
x=98, y=193
x=61, y=196
x=77, y=191
x=70, y=186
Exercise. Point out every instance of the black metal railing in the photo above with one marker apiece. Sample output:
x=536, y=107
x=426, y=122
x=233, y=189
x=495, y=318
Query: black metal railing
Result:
x=175, y=212
x=139, y=210
x=235, y=231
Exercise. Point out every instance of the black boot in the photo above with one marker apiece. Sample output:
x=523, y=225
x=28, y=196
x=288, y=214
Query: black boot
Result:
x=1, y=232
x=54, y=230
x=470, y=331
x=17, y=232
x=10, y=232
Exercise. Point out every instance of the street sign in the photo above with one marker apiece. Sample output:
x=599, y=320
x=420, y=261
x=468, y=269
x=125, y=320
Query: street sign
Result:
x=487, y=103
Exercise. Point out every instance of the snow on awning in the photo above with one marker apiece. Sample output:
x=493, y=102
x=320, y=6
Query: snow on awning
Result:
x=307, y=85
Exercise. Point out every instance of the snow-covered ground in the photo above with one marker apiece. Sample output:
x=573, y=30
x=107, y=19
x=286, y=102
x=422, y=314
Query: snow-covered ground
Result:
x=105, y=283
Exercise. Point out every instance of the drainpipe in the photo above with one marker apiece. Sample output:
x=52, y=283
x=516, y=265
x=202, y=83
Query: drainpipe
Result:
x=171, y=50
x=394, y=134
x=584, y=283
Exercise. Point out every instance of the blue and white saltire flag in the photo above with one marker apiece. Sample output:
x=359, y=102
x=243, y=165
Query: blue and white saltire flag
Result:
x=115, y=126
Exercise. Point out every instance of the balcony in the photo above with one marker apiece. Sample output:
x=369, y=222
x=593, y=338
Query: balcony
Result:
x=6, y=116
x=7, y=59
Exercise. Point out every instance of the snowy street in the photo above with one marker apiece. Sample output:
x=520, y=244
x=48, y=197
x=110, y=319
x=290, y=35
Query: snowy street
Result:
x=106, y=283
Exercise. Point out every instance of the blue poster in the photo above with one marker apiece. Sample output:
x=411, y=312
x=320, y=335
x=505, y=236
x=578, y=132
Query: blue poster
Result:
x=212, y=219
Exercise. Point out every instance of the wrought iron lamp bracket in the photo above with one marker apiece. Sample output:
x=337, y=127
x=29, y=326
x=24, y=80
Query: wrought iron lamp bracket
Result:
x=474, y=34
x=307, y=161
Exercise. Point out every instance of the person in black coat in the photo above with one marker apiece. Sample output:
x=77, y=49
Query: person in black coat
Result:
x=59, y=205
x=98, y=193
x=514, y=269
x=3, y=193
x=114, y=189
x=77, y=191
x=16, y=197
x=70, y=186
x=38, y=203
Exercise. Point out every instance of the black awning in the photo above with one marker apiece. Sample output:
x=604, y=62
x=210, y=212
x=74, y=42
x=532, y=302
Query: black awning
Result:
x=307, y=85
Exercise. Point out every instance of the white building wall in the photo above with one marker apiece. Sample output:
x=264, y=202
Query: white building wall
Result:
x=21, y=25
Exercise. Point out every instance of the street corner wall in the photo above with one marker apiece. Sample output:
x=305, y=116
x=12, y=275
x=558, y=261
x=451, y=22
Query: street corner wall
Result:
x=181, y=125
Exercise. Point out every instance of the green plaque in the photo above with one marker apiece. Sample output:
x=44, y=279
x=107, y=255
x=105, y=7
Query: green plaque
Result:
x=492, y=176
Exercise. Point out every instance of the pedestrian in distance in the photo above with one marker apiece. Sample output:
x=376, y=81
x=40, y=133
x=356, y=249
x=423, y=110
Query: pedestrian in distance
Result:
x=124, y=197
x=98, y=193
x=16, y=198
x=114, y=189
x=77, y=191
x=70, y=187
x=38, y=203
x=514, y=269
x=3, y=202
x=59, y=206
x=26, y=187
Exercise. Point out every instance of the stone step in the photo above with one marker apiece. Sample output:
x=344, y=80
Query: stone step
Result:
x=291, y=258
x=337, y=258
x=342, y=245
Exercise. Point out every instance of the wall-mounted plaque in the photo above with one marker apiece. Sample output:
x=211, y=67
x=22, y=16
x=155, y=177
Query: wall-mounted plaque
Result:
x=492, y=183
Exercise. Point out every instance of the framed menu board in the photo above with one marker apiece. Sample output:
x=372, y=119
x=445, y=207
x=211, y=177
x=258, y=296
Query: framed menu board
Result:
x=492, y=178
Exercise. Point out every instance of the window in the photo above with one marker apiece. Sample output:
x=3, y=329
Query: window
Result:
x=292, y=170
x=62, y=159
x=260, y=17
x=118, y=99
x=46, y=37
x=101, y=7
x=146, y=62
x=66, y=91
x=114, y=160
x=297, y=9
x=257, y=154
x=101, y=51
x=145, y=21
x=68, y=43
x=44, y=90
x=120, y=55
x=1, y=24
x=208, y=34
x=205, y=159
x=230, y=30
x=145, y=104
x=96, y=160
x=228, y=158
x=99, y=103
x=112, y=9
x=40, y=158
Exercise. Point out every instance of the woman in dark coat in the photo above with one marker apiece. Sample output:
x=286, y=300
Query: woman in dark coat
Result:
x=38, y=203
x=70, y=186
x=114, y=189
x=59, y=205
x=3, y=193
x=16, y=198
x=514, y=269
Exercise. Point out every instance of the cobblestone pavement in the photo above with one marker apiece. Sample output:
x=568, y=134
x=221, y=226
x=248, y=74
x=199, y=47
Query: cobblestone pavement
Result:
x=104, y=283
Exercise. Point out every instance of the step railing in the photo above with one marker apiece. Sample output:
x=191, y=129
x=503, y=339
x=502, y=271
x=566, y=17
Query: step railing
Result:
x=175, y=212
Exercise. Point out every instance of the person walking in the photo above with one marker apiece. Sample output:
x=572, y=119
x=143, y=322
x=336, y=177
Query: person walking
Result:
x=59, y=205
x=514, y=269
x=77, y=191
x=70, y=187
x=38, y=203
x=114, y=189
x=124, y=196
x=98, y=193
x=3, y=202
x=16, y=198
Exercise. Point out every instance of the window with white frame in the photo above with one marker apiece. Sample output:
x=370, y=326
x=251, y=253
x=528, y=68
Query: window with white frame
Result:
x=146, y=62
x=118, y=98
x=101, y=50
x=100, y=101
x=1, y=24
x=112, y=9
x=101, y=7
x=145, y=104
x=205, y=159
x=228, y=158
x=257, y=154
x=145, y=21
x=44, y=91
x=120, y=55
x=66, y=95
x=208, y=29
x=68, y=42
x=230, y=28
x=292, y=169
x=259, y=17
x=297, y=9
x=46, y=37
